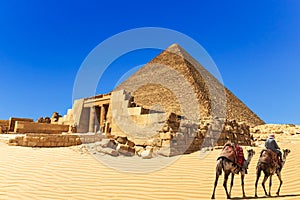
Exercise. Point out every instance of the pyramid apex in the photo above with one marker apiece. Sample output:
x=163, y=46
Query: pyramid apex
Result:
x=174, y=45
x=175, y=48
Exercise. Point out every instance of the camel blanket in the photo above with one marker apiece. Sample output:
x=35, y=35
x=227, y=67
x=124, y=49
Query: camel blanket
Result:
x=269, y=156
x=229, y=153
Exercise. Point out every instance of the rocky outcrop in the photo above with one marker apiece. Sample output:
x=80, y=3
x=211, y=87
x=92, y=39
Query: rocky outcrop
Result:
x=262, y=132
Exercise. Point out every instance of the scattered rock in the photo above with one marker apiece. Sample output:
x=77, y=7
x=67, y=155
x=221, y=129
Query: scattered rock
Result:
x=147, y=154
x=121, y=140
x=107, y=143
x=125, y=150
x=164, y=152
x=139, y=150
x=130, y=143
x=108, y=151
x=166, y=128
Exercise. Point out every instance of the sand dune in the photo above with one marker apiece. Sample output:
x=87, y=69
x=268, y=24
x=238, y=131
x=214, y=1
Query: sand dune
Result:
x=65, y=173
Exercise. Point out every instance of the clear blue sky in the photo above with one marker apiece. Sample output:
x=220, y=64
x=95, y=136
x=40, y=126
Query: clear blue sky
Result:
x=255, y=45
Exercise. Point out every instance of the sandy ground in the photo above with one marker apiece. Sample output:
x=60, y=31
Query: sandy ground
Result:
x=66, y=173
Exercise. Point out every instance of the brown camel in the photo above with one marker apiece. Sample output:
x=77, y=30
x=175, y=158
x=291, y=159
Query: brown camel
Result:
x=229, y=167
x=264, y=164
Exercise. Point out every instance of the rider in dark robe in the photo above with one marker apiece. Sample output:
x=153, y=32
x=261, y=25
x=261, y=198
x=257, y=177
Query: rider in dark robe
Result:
x=272, y=145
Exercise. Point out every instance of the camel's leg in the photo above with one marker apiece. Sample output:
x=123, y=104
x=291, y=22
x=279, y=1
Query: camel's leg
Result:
x=226, y=174
x=216, y=183
x=242, y=180
x=258, y=173
x=270, y=185
x=231, y=183
x=263, y=184
x=280, y=180
x=218, y=173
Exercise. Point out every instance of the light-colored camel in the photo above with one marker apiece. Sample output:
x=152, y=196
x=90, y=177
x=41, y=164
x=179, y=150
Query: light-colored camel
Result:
x=265, y=166
x=229, y=167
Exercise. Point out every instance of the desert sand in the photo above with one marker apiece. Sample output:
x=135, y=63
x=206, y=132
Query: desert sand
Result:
x=68, y=173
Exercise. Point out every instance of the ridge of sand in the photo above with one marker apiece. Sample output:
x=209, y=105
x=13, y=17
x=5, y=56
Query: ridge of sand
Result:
x=64, y=173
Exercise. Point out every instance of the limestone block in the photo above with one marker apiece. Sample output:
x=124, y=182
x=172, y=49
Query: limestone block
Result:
x=32, y=143
x=78, y=141
x=106, y=143
x=134, y=110
x=147, y=154
x=12, y=140
x=165, y=136
x=164, y=152
x=166, y=143
x=139, y=150
x=71, y=139
x=156, y=142
x=108, y=151
x=125, y=150
x=130, y=143
x=165, y=128
x=47, y=144
x=150, y=142
x=121, y=140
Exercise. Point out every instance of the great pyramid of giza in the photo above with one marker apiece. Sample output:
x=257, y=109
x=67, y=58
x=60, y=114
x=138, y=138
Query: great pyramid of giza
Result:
x=150, y=86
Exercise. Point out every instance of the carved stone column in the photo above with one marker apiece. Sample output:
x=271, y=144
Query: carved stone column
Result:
x=102, y=115
x=92, y=119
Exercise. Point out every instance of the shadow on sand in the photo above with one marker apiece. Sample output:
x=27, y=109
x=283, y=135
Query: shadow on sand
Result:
x=263, y=197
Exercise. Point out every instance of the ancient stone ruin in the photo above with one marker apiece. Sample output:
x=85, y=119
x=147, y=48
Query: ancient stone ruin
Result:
x=148, y=114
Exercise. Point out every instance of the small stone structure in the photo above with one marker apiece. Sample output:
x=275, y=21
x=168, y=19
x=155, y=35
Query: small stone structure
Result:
x=4, y=126
x=33, y=127
x=12, y=122
x=53, y=140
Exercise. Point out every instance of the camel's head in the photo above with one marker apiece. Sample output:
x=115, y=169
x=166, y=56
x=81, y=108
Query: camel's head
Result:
x=250, y=152
x=286, y=152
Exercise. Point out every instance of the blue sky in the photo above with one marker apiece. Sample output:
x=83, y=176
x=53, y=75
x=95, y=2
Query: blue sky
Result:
x=255, y=45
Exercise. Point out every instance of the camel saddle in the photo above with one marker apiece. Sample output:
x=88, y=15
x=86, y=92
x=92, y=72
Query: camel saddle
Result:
x=229, y=153
x=273, y=159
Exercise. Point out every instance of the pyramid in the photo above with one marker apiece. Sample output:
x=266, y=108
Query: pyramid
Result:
x=175, y=82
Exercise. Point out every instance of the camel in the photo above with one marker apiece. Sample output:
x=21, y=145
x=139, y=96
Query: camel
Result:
x=269, y=170
x=229, y=168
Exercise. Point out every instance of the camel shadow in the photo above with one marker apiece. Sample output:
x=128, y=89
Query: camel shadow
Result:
x=264, y=197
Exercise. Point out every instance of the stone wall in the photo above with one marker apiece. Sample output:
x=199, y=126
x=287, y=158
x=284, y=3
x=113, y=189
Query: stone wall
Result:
x=188, y=138
x=33, y=127
x=178, y=135
x=53, y=140
x=13, y=120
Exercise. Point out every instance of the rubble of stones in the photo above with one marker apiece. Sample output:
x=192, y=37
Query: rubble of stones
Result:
x=262, y=132
x=179, y=137
x=48, y=120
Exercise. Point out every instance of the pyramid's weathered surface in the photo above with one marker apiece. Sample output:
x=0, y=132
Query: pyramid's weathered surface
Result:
x=210, y=94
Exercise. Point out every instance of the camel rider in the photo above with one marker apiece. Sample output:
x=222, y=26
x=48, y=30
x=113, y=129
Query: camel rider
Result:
x=272, y=144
